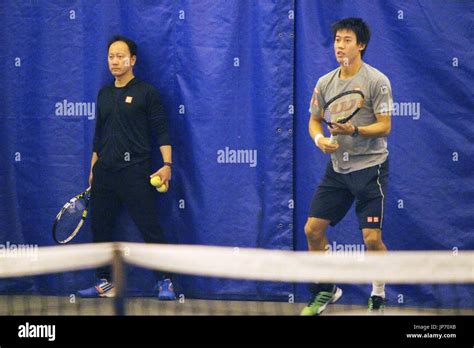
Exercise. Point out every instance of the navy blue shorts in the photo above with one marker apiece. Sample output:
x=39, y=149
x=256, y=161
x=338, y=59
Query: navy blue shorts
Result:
x=336, y=193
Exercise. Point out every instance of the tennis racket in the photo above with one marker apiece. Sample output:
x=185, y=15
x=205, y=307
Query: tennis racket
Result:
x=342, y=108
x=71, y=217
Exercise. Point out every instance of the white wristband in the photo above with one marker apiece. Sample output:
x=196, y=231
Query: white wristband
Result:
x=316, y=138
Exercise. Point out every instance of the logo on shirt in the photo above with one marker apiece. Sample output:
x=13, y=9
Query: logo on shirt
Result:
x=372, y=219
x=128, y=100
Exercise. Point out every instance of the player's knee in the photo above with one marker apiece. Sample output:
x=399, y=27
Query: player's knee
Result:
x=315, y=229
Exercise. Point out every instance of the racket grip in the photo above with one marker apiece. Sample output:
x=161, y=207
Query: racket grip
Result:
x=332, y=139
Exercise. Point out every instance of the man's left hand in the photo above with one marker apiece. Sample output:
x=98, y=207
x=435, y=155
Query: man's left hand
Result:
x=164, y=173
x=342, y=128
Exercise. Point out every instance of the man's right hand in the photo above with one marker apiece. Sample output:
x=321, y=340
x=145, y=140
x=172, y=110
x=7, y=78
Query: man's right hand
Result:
x=326, y=146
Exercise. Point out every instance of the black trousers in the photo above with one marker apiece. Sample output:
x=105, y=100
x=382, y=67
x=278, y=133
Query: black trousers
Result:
x=129, y=187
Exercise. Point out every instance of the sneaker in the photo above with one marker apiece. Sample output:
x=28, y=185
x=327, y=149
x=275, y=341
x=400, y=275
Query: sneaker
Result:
x=319, y=303
x=165, y=290
x=376, y=303
x=102, y=289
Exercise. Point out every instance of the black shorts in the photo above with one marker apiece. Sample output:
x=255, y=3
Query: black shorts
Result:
x=336, y=193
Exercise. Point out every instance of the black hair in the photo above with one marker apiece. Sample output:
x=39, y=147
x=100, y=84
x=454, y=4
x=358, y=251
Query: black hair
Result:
x=358, y=26
x=132, y=46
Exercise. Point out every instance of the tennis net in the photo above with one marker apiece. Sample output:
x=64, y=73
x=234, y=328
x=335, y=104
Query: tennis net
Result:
x=211, y=280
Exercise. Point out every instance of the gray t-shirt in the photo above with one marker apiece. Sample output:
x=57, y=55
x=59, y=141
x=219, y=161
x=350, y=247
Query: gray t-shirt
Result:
x=356, y=153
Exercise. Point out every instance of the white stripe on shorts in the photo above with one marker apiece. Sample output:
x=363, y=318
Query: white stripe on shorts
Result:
x=381, y=192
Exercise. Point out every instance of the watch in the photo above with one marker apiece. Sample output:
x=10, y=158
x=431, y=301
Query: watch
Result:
x=356, y=132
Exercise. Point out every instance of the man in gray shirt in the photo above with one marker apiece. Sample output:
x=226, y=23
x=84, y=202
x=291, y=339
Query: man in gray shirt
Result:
x=358, y=169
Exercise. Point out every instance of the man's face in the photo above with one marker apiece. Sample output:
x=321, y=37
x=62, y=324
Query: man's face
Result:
x=120, y=61
x=346, y=48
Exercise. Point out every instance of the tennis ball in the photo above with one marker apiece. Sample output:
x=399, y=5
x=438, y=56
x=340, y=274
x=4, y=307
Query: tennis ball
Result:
x=156, y=181
x=162, y=188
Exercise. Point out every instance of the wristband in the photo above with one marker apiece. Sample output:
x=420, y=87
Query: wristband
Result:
x=169, y=164
x=316, y=138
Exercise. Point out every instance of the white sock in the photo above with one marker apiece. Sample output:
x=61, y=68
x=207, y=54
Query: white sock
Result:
x=378, y=289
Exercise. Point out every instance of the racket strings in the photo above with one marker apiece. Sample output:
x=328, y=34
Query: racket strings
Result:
x=342, y=109
x=71, y=218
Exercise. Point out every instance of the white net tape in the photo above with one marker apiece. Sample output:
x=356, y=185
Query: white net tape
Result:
x=402, y=267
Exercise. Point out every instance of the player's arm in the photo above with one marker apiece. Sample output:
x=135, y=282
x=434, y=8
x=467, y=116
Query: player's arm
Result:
x=315, y=126
x=382, y=103
x=96, y=140
x=317, y=134
x=315, y=122
x=159, y=126
x=382, y=106
x=381, y=128
x=94, y=159
x=165, y=171
x=166, y=153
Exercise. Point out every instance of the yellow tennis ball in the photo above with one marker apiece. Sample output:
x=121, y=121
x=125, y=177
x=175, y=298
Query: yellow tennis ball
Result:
x=156, y=181
x=162, y=188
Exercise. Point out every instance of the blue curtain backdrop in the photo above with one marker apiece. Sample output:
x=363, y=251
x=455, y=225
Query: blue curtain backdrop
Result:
x=237, y=76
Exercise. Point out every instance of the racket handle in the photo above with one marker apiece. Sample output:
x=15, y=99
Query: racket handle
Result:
x=332, y=139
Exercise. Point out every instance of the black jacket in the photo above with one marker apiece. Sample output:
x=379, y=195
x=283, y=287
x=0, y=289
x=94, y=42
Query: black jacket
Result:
x=127, y=117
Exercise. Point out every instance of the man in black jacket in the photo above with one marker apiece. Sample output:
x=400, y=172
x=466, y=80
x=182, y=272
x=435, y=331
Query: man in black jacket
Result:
x=129, y=112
